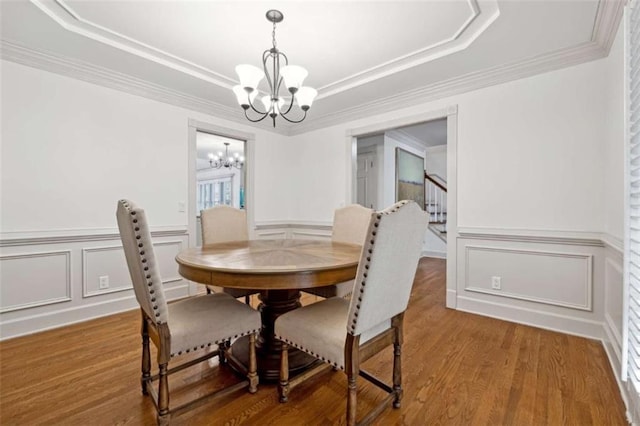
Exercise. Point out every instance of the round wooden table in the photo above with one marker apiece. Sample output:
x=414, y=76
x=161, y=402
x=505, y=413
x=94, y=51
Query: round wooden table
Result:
x=278, y=269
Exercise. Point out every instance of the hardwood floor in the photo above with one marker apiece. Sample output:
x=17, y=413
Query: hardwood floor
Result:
x=459, y=369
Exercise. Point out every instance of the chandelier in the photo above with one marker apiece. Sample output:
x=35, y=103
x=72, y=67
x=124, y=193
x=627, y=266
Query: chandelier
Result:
x=226, y=160
x=274, y=103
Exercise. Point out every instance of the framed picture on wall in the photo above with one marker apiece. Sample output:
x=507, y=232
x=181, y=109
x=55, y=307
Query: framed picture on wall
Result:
x=409, y=177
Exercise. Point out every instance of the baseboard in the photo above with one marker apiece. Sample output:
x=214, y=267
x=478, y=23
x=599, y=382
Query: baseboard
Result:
x=452, y=298
x=49, y=320
x=612, y=349
x=434, y=254
x=549, y=321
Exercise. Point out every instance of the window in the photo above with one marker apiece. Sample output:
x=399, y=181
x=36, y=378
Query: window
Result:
x=214, y=192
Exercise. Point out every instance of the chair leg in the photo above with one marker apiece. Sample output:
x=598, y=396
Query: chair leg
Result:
x=163, y=396
x=352, y=369
x=222, y=348
x=253, y=365
x=209, y=290
x=247, y=299
x=283, y=386
x=146, y=356
x=351, y=399
x=397, y=374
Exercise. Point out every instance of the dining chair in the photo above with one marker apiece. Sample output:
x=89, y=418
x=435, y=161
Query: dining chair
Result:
x=178, y=328
x=343, y=333
x=350, y=224
x=221, y=224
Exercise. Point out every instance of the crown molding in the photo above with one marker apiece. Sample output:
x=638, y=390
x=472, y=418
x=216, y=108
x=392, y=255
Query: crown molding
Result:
x=469, y=30
x=472, y=28
x=607, y=21
x=563, y=58
x=80, y=70
x=606, y=24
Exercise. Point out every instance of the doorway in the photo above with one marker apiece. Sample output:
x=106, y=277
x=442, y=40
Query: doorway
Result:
x=208, y=184
x=442, y=157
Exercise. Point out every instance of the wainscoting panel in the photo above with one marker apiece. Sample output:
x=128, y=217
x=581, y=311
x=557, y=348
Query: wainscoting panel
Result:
x=552, y=280
x=550, y=277
x=34, y=279
x=109, y=261
x=52, y=281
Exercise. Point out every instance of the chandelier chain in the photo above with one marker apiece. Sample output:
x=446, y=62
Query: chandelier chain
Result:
x=273, y=35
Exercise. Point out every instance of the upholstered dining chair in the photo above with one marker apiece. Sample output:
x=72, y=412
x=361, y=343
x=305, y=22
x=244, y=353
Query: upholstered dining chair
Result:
x=221, y=224
x=350, y=224
x=345, y=333
x=178, y=328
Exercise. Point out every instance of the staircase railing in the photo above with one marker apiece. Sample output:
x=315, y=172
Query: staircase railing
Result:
x=435, y=198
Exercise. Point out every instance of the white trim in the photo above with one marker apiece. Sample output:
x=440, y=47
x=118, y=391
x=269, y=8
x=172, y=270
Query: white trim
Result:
x=612, y=242
x=545, y=236
x=470, y=29
x=434, y=254
x=275, y=224
x=86, y=293
x=68, y=295
x=607, y=20
x=23, y=238
x=249, y=138
x=49, y=320
x=535, y=318
x=562, y=58
x=71, y=21
x=588, y=285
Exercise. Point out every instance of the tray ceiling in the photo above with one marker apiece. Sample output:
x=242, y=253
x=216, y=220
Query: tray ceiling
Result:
x=358, y=53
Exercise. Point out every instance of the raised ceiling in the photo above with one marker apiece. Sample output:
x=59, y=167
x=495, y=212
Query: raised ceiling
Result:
x=364, y=57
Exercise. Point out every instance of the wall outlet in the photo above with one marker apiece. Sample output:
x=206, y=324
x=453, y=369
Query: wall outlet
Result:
x=181, y=206
x=496, y=283
x=104, y=282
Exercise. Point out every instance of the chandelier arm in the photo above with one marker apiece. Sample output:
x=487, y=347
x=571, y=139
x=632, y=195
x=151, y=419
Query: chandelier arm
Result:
x=265, y=57
x=295, y=121
x=255, y=109
x=289, y=108
x=279, y=80
x=264, y=115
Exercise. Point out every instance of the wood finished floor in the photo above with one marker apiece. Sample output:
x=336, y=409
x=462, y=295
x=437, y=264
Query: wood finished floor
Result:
x=459, y=369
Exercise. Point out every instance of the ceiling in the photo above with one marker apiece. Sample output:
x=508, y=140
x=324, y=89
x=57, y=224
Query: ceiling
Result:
x=364, y=57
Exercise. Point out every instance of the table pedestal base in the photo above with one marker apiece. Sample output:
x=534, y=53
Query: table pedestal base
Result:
x=268, y=348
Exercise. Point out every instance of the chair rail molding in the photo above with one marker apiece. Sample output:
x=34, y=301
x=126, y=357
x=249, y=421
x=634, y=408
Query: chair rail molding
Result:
x=23, y=238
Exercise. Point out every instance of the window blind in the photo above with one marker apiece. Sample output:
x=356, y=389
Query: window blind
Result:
x=631, y=353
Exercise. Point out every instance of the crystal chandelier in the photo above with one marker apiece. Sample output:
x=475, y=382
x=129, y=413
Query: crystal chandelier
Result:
x=274, y=103
x=226, y=160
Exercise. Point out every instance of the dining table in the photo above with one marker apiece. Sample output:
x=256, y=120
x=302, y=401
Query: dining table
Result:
x=278, y=269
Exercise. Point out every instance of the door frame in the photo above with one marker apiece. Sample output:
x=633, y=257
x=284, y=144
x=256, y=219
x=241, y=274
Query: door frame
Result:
x=451, y=114
x=250, y=139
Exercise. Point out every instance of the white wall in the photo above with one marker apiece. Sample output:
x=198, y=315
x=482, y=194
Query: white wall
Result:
x=70, y=150
x=530, y=182
x=436, y=161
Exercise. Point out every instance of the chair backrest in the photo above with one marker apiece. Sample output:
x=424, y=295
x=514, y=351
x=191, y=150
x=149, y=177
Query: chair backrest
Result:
x=350, y=224
x=221, y=224
x=143, y=268
x=387, y=266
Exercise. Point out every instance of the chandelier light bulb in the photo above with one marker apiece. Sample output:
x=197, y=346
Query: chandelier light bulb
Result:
x=293, y=76
x=244, y=99
x=305, y=96
x=249, y=75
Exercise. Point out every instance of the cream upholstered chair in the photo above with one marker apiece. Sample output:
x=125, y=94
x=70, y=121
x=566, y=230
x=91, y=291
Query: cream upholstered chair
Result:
x=350, y=224
x=344, y=334
x=221, y=224
x=181, y=327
